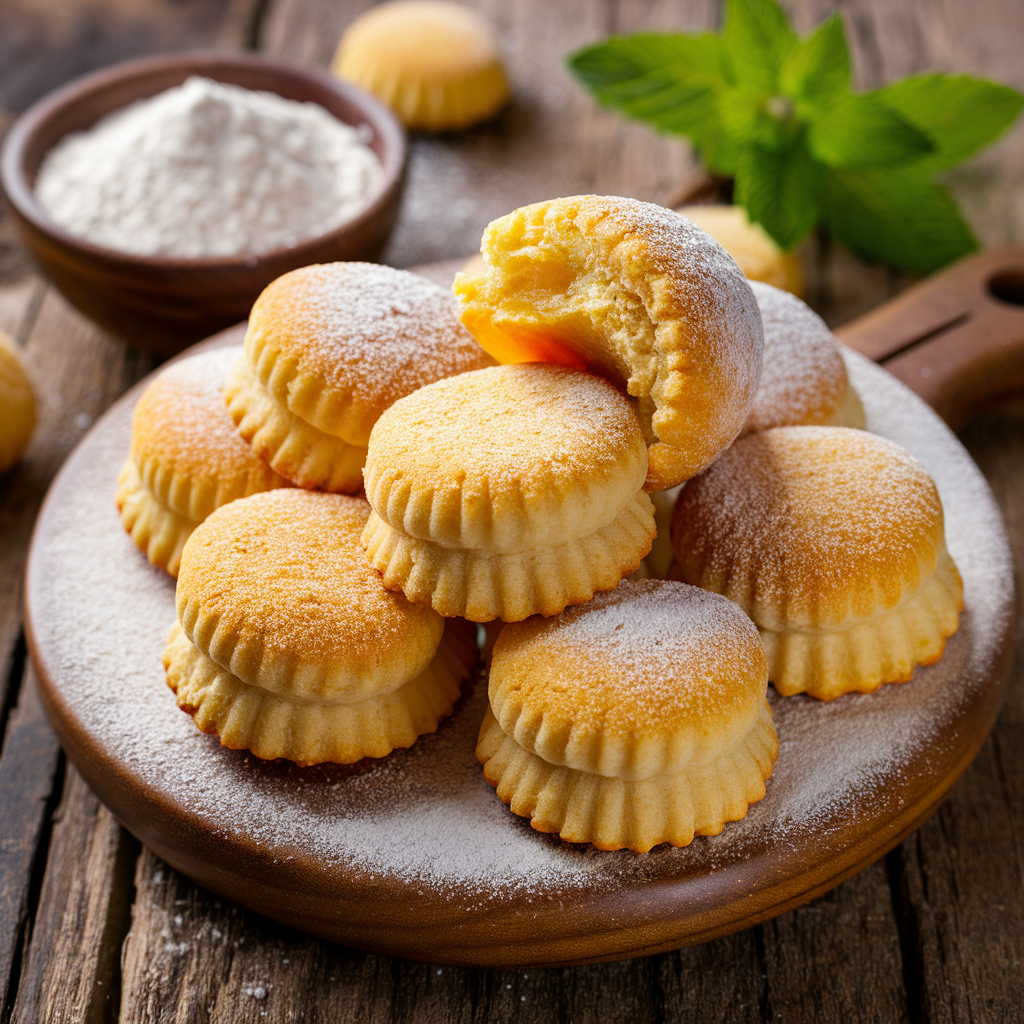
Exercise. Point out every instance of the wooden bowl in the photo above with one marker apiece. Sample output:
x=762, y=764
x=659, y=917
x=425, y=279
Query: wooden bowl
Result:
x=163, y=304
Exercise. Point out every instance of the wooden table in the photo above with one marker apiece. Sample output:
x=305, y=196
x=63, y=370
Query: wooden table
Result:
x=94, y=927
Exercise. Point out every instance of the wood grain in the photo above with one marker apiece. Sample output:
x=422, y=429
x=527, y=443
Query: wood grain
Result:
x=44, y=43
x=18, y=304
x=957, y=338
x=233, y=965
x=77, y=372
x=28, y=773
x=72, y=969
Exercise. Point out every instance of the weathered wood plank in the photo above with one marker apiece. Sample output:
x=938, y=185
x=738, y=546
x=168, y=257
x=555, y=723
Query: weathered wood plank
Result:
x=837, y=959
x=72, y=970
x=18, y=304
x=190, y=954
x=28, y=771
x=77, y=371
x=44, y=43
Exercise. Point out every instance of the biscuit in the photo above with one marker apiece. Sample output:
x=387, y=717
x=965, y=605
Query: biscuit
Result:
x=186, y=458
x=17, y=404
x=329, y=347
x=756, y=252
x=832, y=541
x=508, y=492
x=296, y=449
x=803, y=377
x=434, y=63
x=637, y=719
x=637, y=294
x=288, y=645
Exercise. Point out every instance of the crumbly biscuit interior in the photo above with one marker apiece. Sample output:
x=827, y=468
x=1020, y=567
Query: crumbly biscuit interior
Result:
x=550, y=296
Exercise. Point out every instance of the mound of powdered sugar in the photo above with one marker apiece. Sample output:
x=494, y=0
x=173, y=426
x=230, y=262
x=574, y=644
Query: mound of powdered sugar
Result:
x=207, y=169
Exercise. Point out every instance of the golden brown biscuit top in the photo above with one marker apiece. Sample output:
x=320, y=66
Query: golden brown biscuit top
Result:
x=645, y=679
x=634, y=292
x=184, y=440
x=340, y=342
x=276, y=589
x=809, y=525
x=803, y=377
x=429, y=41
x=506, y=458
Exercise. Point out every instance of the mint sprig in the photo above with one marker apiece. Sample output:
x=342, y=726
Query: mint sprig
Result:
x=776, y=112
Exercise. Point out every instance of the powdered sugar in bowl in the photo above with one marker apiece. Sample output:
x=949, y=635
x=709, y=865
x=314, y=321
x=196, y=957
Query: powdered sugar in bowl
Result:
x=179, y=286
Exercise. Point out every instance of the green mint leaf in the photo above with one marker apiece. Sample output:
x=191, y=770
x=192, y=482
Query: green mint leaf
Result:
x=779, y=191
x=758, y=39
x=817, y=71
x=673, y=54
x=776, y=113
x=897, y=216
x=745, y=118
x=960, y=113
x=718, y=150
x=858, y=131
x=669, y=81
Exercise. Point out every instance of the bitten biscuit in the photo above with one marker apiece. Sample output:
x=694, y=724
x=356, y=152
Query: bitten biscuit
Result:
x=637, y=294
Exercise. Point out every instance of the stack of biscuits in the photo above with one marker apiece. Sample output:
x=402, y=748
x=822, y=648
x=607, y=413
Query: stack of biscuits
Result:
x=344, y=501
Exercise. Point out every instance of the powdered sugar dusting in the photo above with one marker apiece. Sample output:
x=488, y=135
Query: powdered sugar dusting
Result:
x=649, y=656
x=185, y=425
x=810, y=519
x=531, y=425
x=366, y=331
x=283, y=574
x=423, y=824
x=803, y=379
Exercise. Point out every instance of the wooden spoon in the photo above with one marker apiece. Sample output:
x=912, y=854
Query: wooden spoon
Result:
x=957, y=338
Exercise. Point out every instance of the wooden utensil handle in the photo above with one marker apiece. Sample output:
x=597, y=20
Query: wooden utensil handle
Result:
x=957, y=338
